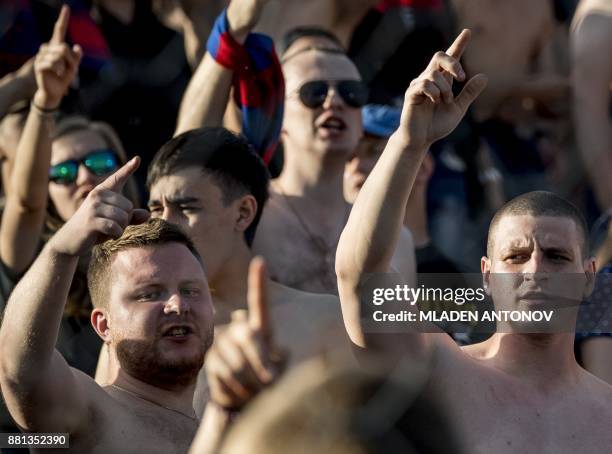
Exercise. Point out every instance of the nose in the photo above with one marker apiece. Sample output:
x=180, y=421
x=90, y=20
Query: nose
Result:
x=535, y=268
x=84, y=176
x=176, y=304
x=171, y=215
x=333, y=98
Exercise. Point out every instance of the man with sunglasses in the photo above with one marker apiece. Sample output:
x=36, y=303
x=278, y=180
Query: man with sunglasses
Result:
x=321, y=128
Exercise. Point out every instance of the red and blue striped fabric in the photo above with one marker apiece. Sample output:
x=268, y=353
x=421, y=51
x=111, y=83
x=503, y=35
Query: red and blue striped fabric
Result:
x=259, y=86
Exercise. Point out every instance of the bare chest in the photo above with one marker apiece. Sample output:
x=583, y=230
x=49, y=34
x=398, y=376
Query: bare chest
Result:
x=139, y=431
x=494, y=419
x=299, y=255
x=511, y=29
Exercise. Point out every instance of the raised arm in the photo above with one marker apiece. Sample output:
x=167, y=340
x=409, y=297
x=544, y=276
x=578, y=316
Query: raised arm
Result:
x=591, y=50
x=55, y=67
x=17, y=86
x=206, y=98
x=42, y=393
x=370, y=237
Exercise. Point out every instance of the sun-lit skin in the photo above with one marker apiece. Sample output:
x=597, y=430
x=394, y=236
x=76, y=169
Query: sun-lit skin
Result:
x=190, y=199
x=537, y=263
x=155, y=289
x=74, y=145
x=302, y=126
x=361, y=164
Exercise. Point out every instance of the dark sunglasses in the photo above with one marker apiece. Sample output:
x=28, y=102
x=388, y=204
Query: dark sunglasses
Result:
x=353, y=92
x=98, y=162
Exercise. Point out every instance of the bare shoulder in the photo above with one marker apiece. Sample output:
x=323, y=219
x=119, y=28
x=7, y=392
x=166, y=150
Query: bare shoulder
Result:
x=102, y=409
x=286, y=300
x=306, y=323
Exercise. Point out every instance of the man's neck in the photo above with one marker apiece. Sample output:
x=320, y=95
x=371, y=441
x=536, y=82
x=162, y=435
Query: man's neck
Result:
x=229, y=285
x=178, y=400
x=313, y=177
x=546, y=359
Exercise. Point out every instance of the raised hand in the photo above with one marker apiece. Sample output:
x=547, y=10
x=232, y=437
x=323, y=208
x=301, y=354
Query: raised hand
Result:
x=105, y=213
x=243, y=16
x=244, y=358
x=430, y=111
x=56, y=65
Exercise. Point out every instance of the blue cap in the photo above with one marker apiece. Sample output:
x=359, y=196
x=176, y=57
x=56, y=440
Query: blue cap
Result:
x=380, y=120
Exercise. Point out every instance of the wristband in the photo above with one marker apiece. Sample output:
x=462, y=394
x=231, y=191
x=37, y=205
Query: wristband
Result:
x=43, y=111
x=259, y=86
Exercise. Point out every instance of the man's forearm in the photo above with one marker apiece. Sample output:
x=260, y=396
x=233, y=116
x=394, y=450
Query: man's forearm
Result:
x=205, y=100
x=13, y=88
x=206, y=97
x=371, y=234
x=33, y=315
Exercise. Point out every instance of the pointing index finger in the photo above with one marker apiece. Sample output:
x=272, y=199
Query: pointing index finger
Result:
x=117, y=180
x=459, y=45
x=257, y=301
x=61, y=25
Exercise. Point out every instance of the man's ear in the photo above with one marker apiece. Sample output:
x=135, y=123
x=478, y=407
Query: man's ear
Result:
x=100, y=323
x=247, y=209
x=485, y=269
x=590, y=272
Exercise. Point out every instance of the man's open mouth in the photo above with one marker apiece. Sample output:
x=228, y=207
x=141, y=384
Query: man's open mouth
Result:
x=177, y=331
x=334, y=124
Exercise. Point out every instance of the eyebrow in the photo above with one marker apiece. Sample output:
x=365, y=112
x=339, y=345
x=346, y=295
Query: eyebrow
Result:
x=175, y=201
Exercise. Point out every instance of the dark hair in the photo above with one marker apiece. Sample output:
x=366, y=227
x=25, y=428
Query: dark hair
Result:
x=154, y=232
x=306, y=32
x=226, y=157
x=540, y=203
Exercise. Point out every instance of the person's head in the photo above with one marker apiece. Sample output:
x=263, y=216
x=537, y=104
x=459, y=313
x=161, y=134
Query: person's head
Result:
x=537, y=254
x=341, y=410
x=324, y=94
x=83, y=154
x=379, y=122
x=152, y=305
x=211, y=183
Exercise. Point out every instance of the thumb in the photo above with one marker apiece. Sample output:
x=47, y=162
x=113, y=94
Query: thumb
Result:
x=139, y=216
x=470, y=92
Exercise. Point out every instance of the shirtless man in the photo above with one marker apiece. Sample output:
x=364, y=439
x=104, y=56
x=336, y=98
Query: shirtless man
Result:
x=306, y=211
x=527, y=394
x=521, y=31
x=209, y=182
x=152, y=307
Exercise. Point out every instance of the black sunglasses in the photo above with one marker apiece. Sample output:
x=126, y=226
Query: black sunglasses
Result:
x=353, y=92
x=98, y=162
